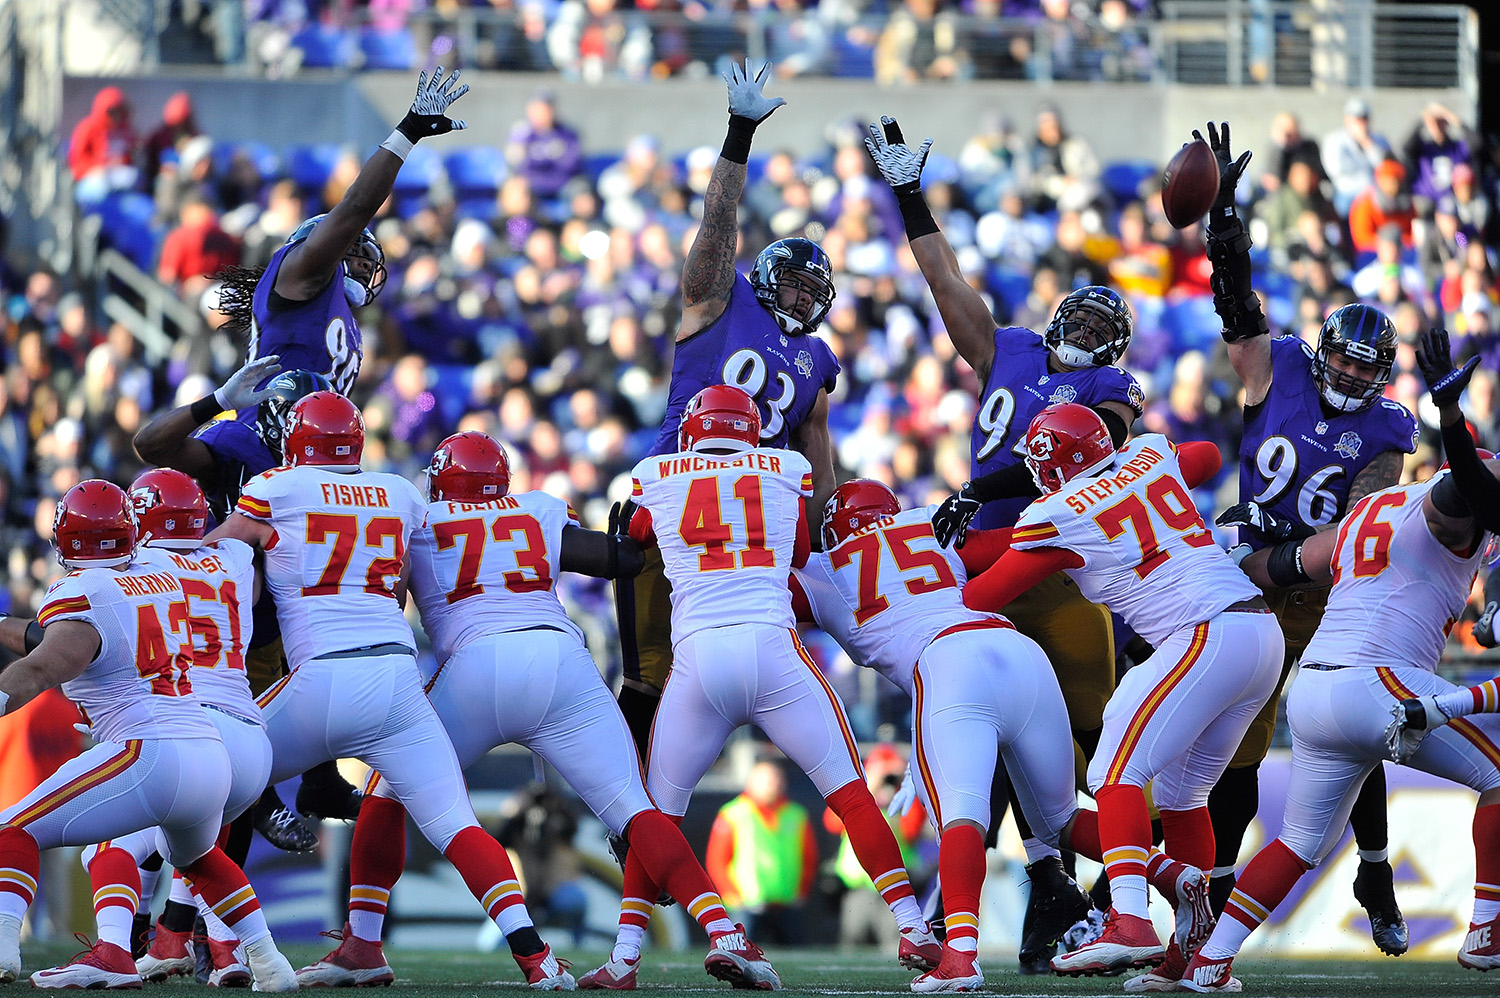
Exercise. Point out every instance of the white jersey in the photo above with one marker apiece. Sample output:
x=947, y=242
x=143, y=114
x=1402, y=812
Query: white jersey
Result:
x=727, y=528
x=137, y=686
x=218, y=585
x=481, y=569
x=888, y=591
x=334, y=560
x=1146, y=553
x=1396, y=589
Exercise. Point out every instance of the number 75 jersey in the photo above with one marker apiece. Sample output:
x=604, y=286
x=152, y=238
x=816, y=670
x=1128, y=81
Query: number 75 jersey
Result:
x=485, y=568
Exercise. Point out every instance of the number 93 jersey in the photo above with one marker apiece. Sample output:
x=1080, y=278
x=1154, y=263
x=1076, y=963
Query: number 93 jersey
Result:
x=479, y=569
x=1146, y=553
x=335, y=557
x=1020, y=386
x=745, y=348
x=888, y=591
x=727, y=530
x=1396, y=589
x=137, y=686
x=319, y=334
x=1296, y=458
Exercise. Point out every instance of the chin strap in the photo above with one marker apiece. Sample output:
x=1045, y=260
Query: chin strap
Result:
x=1234, y=297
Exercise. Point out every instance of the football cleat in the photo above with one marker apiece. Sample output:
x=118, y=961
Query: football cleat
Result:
x=615, y=975
x=229, y=967
x=10, y=948
x=170, y=955
x=1127, y=941
x=1375, y=890
x=920, y=949
x=355, y=962
x=1056, y=903
x=1481, y=950
x=545, y=972
x=734, y=958
x=284, y=828
x=1204, y=975
x=1187, y=889
x=955, y=972
x=104, y=965
x=270, y=969
x=1163, y=977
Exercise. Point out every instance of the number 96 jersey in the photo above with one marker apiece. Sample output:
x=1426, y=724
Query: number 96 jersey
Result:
x=1296, y=458
x=1146, y=553
x=479, y=569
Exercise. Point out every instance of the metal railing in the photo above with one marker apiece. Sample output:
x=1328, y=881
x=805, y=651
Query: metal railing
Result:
x=157, y=305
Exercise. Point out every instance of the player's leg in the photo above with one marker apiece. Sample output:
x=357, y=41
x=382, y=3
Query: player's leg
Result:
x=645, y=645
x=142, y=847
x=278, y=824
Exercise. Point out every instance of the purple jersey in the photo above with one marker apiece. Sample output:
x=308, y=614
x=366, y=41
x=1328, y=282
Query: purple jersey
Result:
x=745, y=347
x=319, y=334
x=1297, y=458
x=1020, y=386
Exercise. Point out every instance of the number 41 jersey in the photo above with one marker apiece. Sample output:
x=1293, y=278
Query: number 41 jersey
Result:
x=484, y=568
x=1297, y=459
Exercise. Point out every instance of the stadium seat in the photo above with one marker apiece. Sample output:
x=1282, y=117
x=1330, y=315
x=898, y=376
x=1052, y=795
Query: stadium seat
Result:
x=1192, y=323
x=1010, y=286
x=594, y=164
x=475, y=171
x=851, y=60
x=423, y=168
x=451, y=384
x=127, y=222
x=309, y=166
x=1123, y=178
x=261, y=156
x=388, y=49
x=484, y=209
x=325, y=46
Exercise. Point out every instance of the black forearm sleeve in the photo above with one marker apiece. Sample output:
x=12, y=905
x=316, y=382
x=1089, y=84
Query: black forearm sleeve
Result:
x=1478, y=488
x=604, y=556
x=33, y=636
x=1118, y=430
x=915, y=215
x=1014, y=482
x=1234, y=297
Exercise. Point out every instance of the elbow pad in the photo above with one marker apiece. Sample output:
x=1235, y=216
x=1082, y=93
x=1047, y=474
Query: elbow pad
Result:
x=1284, y=565
x=1234, y=297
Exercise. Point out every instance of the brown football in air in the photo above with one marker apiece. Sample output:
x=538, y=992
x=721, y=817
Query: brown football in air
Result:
x=1190, y=184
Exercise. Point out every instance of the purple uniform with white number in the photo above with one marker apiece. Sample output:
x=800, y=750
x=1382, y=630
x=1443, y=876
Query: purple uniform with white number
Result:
x=1297, y=458
x=319, y=334
x=1019, y=387
x=745, y=347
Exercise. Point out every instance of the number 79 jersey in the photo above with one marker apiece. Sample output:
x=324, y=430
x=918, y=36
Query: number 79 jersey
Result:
x=336, y=554
x=484, y=568
x=1396, y=589
x=1146, y=553
x=727, y=530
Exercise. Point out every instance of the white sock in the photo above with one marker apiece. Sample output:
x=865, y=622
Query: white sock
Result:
x=114, y=921
x=181, y=892
x=1374, y=855
x=717, y=925
x=1229, y=935
x=628, y=942
x=1127, y=895
x=1222, y=871
x=1485, y=911
x=908, y=913
x=149, y=880
x=367, y=925
x=964, y=944
x=217, y=930
x=512, y=918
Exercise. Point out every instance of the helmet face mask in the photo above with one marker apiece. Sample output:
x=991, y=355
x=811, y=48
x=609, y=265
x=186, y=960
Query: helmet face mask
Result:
x=364, y=264
x=1091, y=328
x=794, y=264
x=1365, y=341
x=289, y=386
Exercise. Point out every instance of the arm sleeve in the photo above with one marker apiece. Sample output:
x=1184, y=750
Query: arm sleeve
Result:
x=1014, y=482
x=910, y=827
x=1015, y=573
x=1118, y=431
x=809, y=860
x=832, y=822
x=641, y=529
x=717, y=856
x=803, y=547
x=591, y=552
x=982, y=548
x=801, y=605
x=1199, y=461
x=1475, y=484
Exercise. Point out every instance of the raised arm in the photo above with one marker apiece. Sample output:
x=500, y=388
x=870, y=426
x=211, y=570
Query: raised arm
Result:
x=167, y=441
x=967, y=318
x=708, y=274
x=67, y=648
x=1469, y=497
x=310, y=265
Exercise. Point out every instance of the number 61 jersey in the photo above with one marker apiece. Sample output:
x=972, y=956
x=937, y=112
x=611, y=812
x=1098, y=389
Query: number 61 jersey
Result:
x=1297, y=459
x=484, y=568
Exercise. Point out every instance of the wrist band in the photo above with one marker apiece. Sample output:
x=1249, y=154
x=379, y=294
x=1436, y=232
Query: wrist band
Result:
x=205, y=409
x=737, y=142
x=398, y=144
x=917, y=216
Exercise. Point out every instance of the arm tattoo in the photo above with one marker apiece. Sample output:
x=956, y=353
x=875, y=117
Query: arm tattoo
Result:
x=1381, y=473
x=709, y=272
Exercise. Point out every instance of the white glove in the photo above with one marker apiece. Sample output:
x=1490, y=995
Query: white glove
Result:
x=239, y=391
x=1240, y=552
x=906, y=796
x=428, y=109
x=745, y=97
x=899, y=164
x=1411, y=721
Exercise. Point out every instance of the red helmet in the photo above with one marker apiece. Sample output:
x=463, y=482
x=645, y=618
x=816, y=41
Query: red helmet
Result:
x=468, y=467
x=95, y=526
x=323, y=429
x=1065, y=441
x=853, y=505
x=170, y=509
x=720, y=416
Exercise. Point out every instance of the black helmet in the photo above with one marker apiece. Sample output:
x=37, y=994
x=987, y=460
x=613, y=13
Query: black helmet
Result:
x=805, y=257
x=1363, y=334
x=1072, y=313
x=288, y=386
x=367, y=247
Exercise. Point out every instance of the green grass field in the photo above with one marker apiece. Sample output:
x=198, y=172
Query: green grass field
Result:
x=433, y=974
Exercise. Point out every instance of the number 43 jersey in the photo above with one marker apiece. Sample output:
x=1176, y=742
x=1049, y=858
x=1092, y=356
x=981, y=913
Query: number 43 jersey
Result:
x=335, y=557
x=484, y=568
x=1297, y=459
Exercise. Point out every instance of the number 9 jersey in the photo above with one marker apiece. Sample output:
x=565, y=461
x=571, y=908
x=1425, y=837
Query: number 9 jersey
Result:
x=479, y=569
x=1297, y=458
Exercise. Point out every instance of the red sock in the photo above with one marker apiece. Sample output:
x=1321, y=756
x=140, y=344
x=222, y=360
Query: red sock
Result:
x=20, y=865
x=874, y=843
x=665, y=856
x=117, y=894
x=1188, y=837
x=223, y=886
x=1487, y=855
x=961, y=869
x=1125, y=840
x=482, y=862
x=1268, y=879
x=376, y=858
x=1083, y=837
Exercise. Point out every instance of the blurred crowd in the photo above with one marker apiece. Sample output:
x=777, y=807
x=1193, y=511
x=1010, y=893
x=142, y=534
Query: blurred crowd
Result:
x=540, y=305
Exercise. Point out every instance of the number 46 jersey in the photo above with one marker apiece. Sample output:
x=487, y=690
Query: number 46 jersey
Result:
x=484, y=568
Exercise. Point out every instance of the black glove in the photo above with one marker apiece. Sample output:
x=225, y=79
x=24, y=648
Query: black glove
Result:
x=950, y=523
x=428, y=109
x=1267, y=525
x=1230, y=169
x=1436, y=363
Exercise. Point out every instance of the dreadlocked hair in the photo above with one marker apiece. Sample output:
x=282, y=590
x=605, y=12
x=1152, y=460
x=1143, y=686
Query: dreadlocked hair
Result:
x=237, y=296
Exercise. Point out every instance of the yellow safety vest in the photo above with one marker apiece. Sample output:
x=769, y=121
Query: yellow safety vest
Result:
x=767, y=863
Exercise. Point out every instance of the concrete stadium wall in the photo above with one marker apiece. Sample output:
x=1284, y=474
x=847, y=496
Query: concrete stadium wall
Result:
x=1122, y=122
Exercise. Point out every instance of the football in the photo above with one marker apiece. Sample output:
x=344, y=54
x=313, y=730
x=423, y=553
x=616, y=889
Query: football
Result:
x=1190, y=184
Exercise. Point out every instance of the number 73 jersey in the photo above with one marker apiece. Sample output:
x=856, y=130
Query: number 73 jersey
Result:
x=485, y=568
x=1146, y=553
x=1396, y=589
